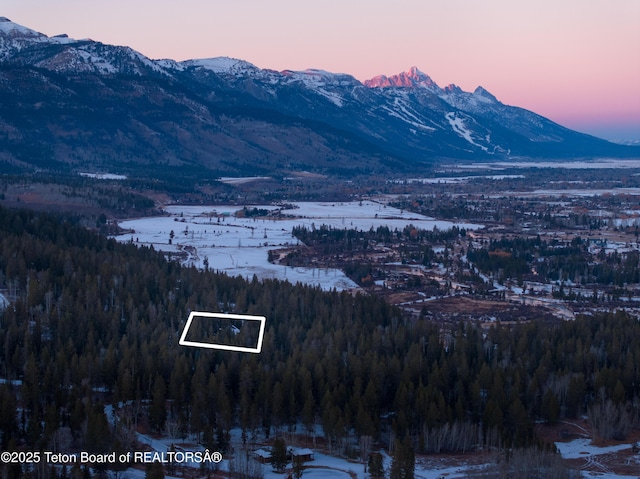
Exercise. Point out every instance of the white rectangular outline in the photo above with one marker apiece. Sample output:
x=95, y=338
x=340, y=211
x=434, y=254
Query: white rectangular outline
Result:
x=224, y=347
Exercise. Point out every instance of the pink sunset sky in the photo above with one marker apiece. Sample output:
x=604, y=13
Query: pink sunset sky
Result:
x=576, y=62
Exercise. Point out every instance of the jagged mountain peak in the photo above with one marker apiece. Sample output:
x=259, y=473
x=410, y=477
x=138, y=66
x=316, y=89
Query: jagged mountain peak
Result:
x=452, y=88
x=417, y=74
x=411, y=78
x=480, y=91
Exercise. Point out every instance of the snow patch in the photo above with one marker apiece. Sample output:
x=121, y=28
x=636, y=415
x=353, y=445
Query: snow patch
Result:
x=104, y=176
x=224, y=65
x=4, y=302
x=457, y=123
x=584, y=449
x=403, y=113
x=241, y=180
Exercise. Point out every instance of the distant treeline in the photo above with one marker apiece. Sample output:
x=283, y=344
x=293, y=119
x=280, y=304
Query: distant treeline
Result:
x=94, y=322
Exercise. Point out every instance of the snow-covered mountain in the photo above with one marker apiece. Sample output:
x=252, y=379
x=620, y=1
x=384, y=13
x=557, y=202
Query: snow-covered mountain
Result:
x=413, y=78
x=63, y=54
x=67, y=102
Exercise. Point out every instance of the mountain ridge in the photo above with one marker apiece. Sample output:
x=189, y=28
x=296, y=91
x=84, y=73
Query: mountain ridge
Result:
x=81, y=103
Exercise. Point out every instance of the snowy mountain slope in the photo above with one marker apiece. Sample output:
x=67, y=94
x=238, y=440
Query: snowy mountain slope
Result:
x=66, y=55
x=14, y=37
x=68, y=102
x=410, y=115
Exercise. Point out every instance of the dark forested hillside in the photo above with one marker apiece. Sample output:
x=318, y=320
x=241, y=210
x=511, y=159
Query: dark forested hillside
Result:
x=92, y=322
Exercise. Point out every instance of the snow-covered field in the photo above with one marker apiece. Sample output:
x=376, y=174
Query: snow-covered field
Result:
x=239, y=246
x=584, y=449
x=233, y=180
x=104, y=176
x=602, y=163
x=324, y=474
x=324, y=466
x=575, y=192
x=579, y=448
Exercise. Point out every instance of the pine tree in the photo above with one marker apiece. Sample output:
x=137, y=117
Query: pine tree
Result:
x=279, y=455
x=158, y=409
x=98, y=435
x=403, y=464
x=376, y=465
x=550, y=409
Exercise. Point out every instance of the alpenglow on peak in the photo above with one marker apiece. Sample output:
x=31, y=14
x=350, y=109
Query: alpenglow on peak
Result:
x=412, y=78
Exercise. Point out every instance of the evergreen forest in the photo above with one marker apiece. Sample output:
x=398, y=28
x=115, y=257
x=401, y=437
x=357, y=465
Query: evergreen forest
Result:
x=93, y=325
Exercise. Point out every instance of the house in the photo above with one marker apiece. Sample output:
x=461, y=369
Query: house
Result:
x=262, y=455
x=303, y=453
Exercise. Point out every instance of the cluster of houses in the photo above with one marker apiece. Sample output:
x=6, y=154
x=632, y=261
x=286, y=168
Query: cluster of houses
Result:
x=263, y=455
